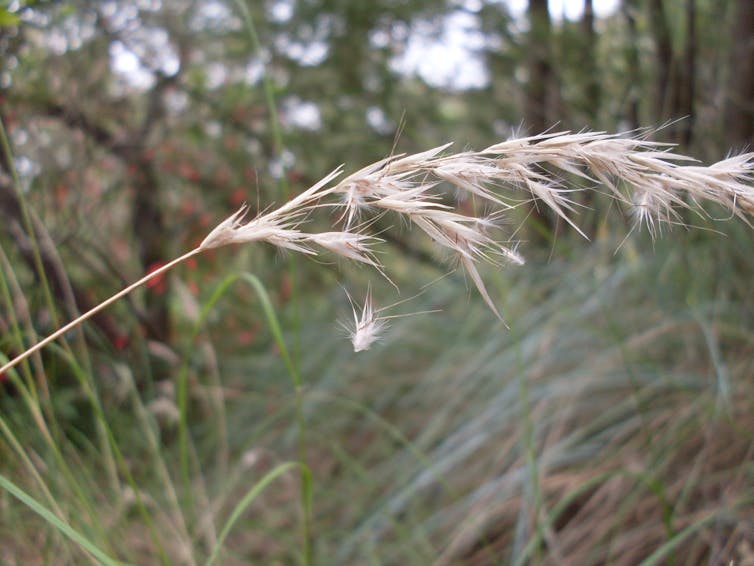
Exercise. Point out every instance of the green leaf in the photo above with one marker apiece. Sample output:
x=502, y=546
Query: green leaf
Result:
x=274, y=324
x=7, y=19
x=56, y=522
x=247, y=500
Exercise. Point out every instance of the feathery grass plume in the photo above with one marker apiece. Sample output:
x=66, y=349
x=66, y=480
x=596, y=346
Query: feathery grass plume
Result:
x=645, y=175
x=728, y=181
x=280, y=232
x=277, y=227
x=351, y=245
x=367, y=326
x=472, y=173
x=370, y=184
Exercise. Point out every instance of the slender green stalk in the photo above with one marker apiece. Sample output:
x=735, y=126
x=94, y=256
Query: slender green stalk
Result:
x=33, y=237
x=182, y=384
x=26, y=219
x=279, y=146
x=296, y=381
x=530, y=450
x=278, y=143
x=104, y=432
x=293, y=370
x=84, y=376
x=62, y=463
x=269, y=93
x=15, y=326
x=29, y=466
x=109, y=444
x=247, y=500
x=56, y=522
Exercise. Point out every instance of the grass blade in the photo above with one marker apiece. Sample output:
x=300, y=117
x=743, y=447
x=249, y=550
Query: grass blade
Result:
x=248, y=499
x=56, y=522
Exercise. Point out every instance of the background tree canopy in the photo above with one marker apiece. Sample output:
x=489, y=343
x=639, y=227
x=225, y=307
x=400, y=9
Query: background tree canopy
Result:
x=607, y=425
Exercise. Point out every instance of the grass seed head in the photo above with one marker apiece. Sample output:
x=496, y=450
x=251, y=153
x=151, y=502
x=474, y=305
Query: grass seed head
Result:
x=367, y=326
x=651, y=180
x=351, y=245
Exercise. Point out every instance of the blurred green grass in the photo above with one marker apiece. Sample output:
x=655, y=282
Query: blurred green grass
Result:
x=611, y=421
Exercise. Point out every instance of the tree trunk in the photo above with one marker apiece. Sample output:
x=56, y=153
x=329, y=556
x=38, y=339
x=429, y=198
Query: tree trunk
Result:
x=539, y=94
x=664, y=58
x=633, y=80
x=149, y=230
x=592, y=91
x=537, y=106
x=739, y=100
x=680, y=98
x=685, y=90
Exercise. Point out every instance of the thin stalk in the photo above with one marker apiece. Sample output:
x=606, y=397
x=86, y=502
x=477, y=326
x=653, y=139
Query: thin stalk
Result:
x=278, y=147
x=62, y=526
x=278, y=144
x=153, y=444
x=26, y=219
x=36, y=413
x=182, y=385
x=29, y=227
x=246, y=501
x=15, y=327
x=532, y=465
x=103, y=305
x=305, y=480
x=28, y=392
x=28, y=465
x=269, y=92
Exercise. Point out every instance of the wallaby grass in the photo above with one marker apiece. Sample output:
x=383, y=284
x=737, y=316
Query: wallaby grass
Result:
x=609, y=424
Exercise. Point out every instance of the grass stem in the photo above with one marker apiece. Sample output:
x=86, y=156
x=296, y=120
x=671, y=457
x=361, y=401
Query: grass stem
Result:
x=91, y=312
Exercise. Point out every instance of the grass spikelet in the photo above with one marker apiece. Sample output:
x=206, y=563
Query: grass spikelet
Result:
x=367, y=327
x=473, y=272
x=645, y=175
x=351, y=245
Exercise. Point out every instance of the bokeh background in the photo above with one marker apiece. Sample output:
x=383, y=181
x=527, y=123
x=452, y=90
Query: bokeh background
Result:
x=610, y=423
